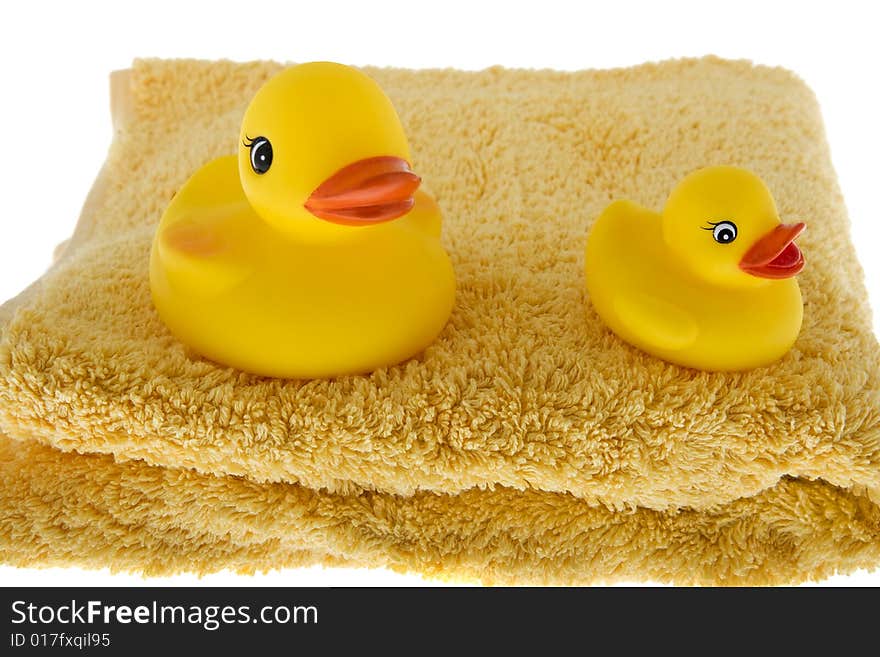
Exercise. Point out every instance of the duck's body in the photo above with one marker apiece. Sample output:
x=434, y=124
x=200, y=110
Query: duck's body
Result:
x=351, y=279
x=251, y=299
x=656, y=299
x=649, y=300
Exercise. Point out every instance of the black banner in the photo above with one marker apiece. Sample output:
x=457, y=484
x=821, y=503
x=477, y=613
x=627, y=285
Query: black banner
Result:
x=407, y=621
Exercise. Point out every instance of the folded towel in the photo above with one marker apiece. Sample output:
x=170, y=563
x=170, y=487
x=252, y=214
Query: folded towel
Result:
x=528, y=443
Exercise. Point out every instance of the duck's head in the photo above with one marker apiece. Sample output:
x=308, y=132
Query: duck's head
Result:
x=723, y=226
x=322, y=150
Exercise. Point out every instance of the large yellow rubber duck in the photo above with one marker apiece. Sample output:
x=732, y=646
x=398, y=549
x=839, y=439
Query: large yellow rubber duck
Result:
x=708, y=283
x=312, y=252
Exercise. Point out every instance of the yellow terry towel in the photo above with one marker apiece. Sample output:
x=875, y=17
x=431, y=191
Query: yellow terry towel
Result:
x=528, y=444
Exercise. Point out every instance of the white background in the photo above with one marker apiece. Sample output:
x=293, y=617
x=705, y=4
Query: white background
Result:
x=55, y=59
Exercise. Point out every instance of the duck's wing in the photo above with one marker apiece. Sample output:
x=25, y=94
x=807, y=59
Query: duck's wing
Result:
x=665, y=324
x=202, y=241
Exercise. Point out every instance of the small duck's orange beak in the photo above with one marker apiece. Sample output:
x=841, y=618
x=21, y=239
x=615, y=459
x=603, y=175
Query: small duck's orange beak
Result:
x=775, y=255
x=366, y=192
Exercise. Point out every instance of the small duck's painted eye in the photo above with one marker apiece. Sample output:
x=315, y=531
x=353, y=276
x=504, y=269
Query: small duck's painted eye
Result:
x=724, y=232
x=261, y=154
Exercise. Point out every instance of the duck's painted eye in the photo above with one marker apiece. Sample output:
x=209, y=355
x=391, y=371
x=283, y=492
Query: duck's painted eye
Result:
x=724, y=232
x=261, y=154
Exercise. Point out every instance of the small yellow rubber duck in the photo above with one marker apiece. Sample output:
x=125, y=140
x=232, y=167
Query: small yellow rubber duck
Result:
x=312, y=252
x=708, y=283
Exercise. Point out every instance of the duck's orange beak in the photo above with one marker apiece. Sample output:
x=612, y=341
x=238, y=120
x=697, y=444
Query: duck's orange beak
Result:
x=366, y=192
x=775, y=255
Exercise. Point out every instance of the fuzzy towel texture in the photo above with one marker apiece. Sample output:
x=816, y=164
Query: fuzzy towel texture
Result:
x=528, y=443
